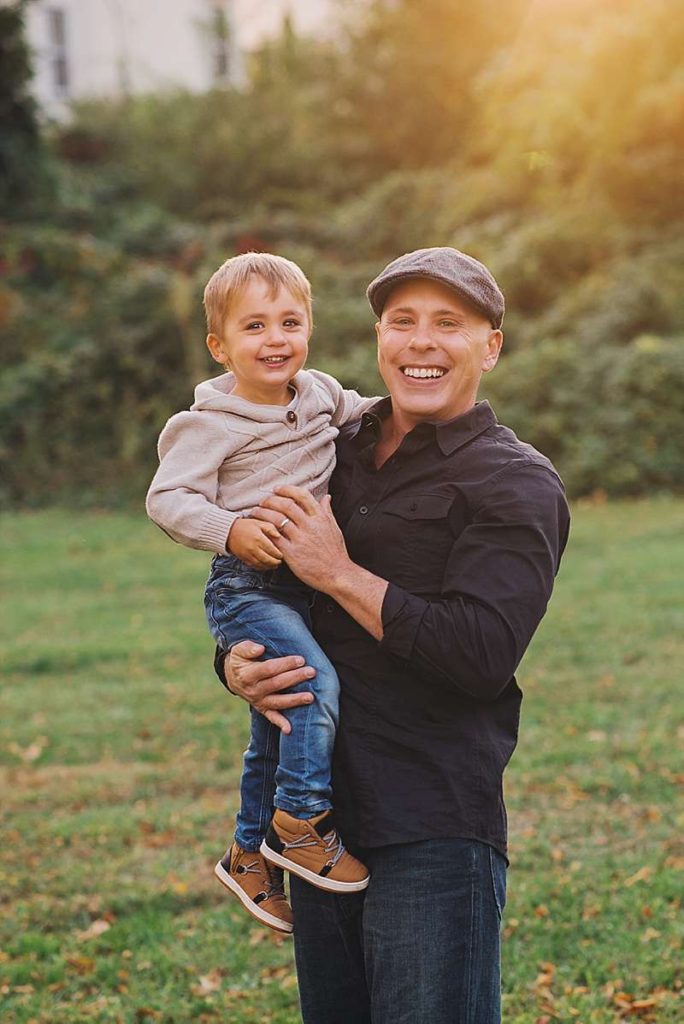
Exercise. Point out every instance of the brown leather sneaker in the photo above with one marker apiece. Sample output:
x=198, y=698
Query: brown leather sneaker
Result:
x=312, y=849
x=258, y=886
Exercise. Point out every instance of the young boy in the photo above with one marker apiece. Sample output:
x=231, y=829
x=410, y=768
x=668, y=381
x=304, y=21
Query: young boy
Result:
x=264, y=423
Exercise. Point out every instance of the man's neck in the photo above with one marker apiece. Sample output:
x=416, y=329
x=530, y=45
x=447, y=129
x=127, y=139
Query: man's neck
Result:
x=392, y=434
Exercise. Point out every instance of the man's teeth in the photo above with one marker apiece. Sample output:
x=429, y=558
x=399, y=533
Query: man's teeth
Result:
x=423, y=371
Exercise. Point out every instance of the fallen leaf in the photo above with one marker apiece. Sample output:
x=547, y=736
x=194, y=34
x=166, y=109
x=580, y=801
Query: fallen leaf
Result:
x=208, y=983
x=30, y=753
x=81, y=964
x=98, y=927
x=639, y=876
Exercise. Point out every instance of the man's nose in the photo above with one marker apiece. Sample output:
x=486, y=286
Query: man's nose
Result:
x=422, y=338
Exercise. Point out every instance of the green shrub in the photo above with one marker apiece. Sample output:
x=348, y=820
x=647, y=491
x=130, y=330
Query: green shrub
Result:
x=610, y=418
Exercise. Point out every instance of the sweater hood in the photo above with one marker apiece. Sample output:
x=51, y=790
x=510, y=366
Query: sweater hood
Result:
x=217, y=395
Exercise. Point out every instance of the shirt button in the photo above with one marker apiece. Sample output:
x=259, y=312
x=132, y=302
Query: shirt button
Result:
x=329, y=608
x=291, y=417
x=413, y=506
x=364, y=510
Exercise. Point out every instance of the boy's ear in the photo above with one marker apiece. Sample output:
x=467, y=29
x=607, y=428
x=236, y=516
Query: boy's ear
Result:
x=215, y=346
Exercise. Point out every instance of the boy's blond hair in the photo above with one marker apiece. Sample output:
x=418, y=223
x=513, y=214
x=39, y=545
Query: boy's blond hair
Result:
x=233, y=275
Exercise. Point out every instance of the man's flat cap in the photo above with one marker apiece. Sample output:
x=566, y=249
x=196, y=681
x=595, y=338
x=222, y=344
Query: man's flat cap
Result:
x=462, y=273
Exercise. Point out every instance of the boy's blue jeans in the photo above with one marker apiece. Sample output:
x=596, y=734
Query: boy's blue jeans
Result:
x=292, y=771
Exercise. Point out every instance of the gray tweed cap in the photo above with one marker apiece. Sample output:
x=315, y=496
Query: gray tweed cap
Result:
x=465, y=275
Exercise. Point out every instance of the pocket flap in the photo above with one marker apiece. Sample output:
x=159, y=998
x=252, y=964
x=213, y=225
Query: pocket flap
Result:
x=420, y=506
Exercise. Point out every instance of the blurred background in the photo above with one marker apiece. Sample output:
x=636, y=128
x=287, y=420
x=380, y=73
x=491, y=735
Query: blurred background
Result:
x=142, y=144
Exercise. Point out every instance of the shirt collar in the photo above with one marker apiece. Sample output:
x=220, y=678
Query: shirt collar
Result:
x=449, y=435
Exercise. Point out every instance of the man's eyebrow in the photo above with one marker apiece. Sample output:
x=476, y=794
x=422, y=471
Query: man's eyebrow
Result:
x=439, y=312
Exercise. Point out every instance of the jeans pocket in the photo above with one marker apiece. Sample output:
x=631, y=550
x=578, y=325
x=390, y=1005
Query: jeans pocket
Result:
x=239, y=582
x=497, y=870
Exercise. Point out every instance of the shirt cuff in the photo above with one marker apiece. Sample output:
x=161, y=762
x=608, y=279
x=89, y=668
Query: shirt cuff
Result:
x=401, y=614
x=220, y=667
x=215, y=527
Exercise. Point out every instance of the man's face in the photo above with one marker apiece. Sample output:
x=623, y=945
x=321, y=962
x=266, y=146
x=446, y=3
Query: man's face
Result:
x=433, y=347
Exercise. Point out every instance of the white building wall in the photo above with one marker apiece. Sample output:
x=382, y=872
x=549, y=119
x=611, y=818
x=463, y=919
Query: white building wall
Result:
x=115, y=47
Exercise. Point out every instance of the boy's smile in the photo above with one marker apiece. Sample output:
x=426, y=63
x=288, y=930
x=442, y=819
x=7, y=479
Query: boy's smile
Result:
x=264, y=342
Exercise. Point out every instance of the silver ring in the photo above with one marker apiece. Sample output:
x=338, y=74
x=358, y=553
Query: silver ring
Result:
x=284, y=523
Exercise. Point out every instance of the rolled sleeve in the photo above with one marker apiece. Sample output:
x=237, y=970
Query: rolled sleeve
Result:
x=402, y=614
x=495, y=590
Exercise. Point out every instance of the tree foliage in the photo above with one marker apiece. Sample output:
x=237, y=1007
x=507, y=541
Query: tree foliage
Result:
x=542, y=138
x=22, y=164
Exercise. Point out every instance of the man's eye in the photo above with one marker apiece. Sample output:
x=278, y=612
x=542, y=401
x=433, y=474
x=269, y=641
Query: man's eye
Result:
x=402, y=321
x=448, y=323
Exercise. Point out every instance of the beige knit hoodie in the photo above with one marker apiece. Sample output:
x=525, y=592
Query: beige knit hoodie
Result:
x=225, y=455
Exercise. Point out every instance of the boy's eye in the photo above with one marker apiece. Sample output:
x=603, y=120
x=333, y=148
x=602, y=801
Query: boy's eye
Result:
x=292, y=322
x=254, y=325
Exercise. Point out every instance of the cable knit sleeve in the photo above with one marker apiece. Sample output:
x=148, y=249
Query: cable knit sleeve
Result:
x=347, y=405
x=182, y=496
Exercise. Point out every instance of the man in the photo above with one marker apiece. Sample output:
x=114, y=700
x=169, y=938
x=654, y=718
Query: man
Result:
x=450, y=534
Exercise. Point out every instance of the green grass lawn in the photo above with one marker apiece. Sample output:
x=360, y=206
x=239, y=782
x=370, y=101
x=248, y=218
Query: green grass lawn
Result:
x=120, y=760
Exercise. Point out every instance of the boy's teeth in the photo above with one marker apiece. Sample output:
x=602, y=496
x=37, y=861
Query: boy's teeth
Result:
x=275, y=359
x=423, y=371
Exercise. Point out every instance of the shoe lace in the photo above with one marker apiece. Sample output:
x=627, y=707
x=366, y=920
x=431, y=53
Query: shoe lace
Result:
x=273, y=886
x=332, y=844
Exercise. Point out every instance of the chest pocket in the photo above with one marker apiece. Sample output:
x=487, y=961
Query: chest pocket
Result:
x=420, y=506
x=416, y=529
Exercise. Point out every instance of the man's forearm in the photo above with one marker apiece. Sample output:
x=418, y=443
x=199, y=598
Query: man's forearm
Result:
x=361, y=594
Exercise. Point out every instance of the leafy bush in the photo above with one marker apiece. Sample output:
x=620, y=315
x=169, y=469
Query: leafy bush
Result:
x=610, y=419
x=551, y=153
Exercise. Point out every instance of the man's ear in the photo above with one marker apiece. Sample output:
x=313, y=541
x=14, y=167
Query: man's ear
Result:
x=215, y=346
x=492, y=351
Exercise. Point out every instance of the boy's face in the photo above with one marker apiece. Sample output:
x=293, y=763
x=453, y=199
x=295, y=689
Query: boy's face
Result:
x=265, y=341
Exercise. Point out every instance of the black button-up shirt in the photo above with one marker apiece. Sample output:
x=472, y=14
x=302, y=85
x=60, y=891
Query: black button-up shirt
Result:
x=468, y=524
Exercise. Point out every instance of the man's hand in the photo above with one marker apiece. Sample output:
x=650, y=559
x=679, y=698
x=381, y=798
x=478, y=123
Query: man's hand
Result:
x=260, y=682
x=310, y=539
x=313, y=547
x=252, y=542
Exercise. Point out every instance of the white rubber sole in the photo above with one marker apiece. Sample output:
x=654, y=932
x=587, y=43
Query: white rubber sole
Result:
x=321, y=882
x=252, y=908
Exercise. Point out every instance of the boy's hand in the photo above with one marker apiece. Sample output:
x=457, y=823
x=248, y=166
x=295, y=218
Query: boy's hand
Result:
x=252, y=542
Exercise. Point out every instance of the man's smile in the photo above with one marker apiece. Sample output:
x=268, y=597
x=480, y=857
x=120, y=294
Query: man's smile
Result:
x=423, y=371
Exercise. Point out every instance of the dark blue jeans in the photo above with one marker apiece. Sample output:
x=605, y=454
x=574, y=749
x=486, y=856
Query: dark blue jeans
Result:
x=287, y=771
x=419, y=946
